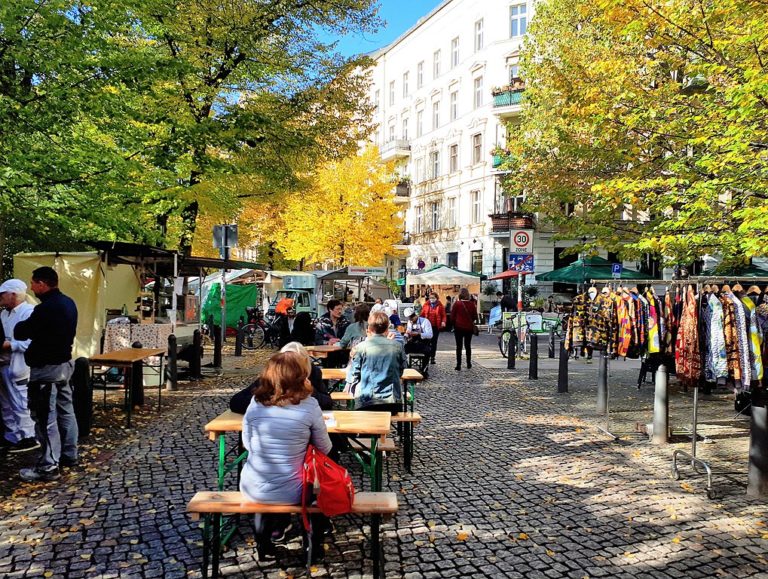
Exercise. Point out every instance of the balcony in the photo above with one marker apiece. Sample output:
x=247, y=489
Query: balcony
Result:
x=507, y=99
x=503, y=222
x=403, y=192
x=404, y=242
x=395, y=149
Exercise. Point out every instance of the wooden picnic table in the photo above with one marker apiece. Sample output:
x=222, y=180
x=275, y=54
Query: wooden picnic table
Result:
x=322, y=350
x=375, y=425
x=134, y=359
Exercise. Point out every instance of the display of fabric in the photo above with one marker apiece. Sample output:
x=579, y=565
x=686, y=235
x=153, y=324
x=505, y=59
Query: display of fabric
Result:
x=575, y=336
x=599, y=322
x=687, y=358
x=755, y=339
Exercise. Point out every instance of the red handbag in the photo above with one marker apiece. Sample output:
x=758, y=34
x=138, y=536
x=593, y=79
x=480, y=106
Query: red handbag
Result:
x=331, y=483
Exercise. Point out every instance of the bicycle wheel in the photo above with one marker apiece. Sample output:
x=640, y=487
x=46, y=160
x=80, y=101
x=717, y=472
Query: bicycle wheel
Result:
x=504, y=340
x=253, y=336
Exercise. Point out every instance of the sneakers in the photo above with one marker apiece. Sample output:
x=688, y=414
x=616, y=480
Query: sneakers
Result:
x=432, y=361
x=24, y=445
x=469, y=365
x=68, y=462
x=35, y=474
x=457, y=368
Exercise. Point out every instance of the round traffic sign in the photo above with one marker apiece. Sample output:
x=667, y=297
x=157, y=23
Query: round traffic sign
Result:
x=522, y=239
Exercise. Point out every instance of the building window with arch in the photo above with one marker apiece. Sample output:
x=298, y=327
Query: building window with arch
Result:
x=419, y=218
x=436, y=64
x=405, y=128
x=476, y=258
x=452, y=212
x=478, y=92
x=434, y=215
x=419, y=123
x=474, y=197
x=420, y=74
x=454, y=105
x=392, y=93
x=453, y=158
x=406, y=92
x=434, y=164
x=435, y=114
x=477, y=148
x=455, y=52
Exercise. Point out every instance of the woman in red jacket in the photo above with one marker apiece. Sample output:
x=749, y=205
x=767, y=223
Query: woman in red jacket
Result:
x=434, y=311
x=463, y=315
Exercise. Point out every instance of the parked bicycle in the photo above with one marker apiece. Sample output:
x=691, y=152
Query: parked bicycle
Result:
x=524, y=324
x=259, y=332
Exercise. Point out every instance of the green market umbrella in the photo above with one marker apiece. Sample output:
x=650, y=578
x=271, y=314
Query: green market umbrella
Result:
x=746, y=271
x=583, y=270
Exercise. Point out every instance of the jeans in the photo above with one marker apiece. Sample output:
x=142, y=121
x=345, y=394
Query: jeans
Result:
x=15, y=407
x=463, y=337
x=50, y=402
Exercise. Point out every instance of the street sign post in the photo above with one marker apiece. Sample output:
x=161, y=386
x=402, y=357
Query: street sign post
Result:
x=616, y=270
x=521, y=242
x=521, y=263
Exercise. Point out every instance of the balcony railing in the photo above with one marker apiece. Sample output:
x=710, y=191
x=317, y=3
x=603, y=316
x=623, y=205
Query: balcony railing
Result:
x=403, y=189
x=501, y=222
x=508, y=98
x=396, y=148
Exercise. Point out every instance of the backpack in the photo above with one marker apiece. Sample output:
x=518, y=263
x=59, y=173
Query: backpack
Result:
x=331, y=483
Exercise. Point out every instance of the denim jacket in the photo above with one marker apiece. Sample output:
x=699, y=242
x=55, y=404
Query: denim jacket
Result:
x=375, y=372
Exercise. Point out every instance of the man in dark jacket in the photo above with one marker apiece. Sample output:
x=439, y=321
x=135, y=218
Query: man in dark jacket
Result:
x=51, y=329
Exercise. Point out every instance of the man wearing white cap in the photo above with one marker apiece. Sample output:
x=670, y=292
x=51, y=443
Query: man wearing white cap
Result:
x=14, y=372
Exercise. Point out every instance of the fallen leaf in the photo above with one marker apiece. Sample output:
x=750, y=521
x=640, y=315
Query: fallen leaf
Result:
x=676, y=540
x=523, y=536
x=550, y=552
x=462, y=535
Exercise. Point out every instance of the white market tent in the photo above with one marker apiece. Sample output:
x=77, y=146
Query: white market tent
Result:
x=444, y=275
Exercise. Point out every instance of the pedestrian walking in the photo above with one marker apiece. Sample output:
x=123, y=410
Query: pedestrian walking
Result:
x=464, y=314
x=14, y=372
x=448, y=321
x=434, y=311
x=51, y=330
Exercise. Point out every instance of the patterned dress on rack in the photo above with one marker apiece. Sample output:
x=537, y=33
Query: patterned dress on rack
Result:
x=623, y=324
x=654, y=342
x=687, y=358
x=742, y=329
x=731, y=333
x=755, y=339
x=576, y=323
x=599, y=322
x=717, y=356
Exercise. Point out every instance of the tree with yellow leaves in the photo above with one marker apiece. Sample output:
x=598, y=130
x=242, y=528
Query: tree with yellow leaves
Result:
x=348, y=215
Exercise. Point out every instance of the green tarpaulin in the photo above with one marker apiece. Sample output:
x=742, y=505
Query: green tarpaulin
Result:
x=239, y=297
x=583, y=270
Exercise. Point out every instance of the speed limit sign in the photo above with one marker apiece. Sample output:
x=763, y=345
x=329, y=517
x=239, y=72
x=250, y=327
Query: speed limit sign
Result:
x=522, y=241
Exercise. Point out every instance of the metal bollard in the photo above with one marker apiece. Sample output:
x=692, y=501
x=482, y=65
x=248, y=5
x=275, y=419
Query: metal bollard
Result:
x=552, y=343
x=757, y=480
x=562, y=370
x=197, y=354
x=239, y=338
x=661, y=407
x=511, y=351
x=602, y=384
x=137, y=381
x=217, y=346
x=173, y=366
x=533, y=362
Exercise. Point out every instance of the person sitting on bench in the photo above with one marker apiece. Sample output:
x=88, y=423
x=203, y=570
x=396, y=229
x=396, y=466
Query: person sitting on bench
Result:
x=418, y=333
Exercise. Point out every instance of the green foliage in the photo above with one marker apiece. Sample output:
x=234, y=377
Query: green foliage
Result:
x=651, y=118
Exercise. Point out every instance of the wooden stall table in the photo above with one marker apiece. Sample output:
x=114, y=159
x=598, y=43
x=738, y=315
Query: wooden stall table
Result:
x=374, y=425
x=409, y=378
x=126, y=358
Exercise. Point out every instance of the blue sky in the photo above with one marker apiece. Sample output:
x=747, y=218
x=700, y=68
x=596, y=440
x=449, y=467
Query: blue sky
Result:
x=399, y=16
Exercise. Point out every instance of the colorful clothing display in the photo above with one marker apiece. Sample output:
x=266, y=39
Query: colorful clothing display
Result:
x=687, y=358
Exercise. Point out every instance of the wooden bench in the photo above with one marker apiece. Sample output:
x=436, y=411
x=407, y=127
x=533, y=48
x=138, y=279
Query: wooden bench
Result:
x=212, y=506
x=405, y=422
x=386, y=445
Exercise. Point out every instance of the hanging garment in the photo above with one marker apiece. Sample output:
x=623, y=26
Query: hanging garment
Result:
x=623, y=334
x=742, y=335
x=755, y=339
x=670, y=329
x=687, y=358
x=599, y=322
x=576, y=323
x=731, y=333
x=654, y=343
x=717, y=357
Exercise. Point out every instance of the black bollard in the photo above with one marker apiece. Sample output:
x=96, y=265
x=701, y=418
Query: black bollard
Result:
x=757, y=479
x=533, y=363
x=82, y=396
x=660, y=407
x=552, y=343
x=602, y=384
x=137, y=381
x=511, y=351
x=173, y=366
x=562, y=369
x=216, y=347
x=197, y=354
x=239, y=338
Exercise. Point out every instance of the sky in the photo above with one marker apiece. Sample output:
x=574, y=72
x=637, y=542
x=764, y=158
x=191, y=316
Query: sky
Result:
x=399, y=16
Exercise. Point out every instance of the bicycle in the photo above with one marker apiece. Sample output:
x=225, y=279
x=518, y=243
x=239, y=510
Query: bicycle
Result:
x=259, y=332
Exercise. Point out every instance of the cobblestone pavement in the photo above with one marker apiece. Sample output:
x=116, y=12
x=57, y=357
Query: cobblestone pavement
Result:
x=509, y=480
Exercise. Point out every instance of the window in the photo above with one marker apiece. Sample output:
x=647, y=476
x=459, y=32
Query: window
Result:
x=420, y=74
x=419, y=123
x=452, y=212
x=454, y=105
x=419, y=218
x=405, y=85
x=453, y=158
x=392, y=132
x=420, y=170
x=455, y=52
x=376, y=99
x=452, y=259
x=434, y=164
x=475, y=199
x=392, y=92
x=478, y=35
x=514, y=73
x=435, y=114
x=478, y=97
x=434, y=213
x=405, y=129
x=436, y=64
x=476, y=257
x=518, y=20
x=477, y=148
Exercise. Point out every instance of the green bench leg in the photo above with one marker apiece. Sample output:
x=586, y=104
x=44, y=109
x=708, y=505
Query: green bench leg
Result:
x=376, y=547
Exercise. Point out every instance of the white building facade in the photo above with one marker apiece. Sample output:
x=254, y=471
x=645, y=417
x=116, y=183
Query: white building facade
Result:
x=443, y=92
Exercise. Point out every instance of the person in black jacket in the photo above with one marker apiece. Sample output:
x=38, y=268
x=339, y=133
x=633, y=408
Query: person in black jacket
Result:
x=51, y=329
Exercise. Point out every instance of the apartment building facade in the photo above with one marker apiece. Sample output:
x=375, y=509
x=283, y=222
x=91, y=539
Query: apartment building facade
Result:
x=443, y=92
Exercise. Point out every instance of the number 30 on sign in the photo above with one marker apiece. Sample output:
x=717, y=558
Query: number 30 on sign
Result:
x=522, y=241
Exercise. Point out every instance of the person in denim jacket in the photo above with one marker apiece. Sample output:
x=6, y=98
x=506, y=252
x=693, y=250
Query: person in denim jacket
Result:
x=376, y=368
